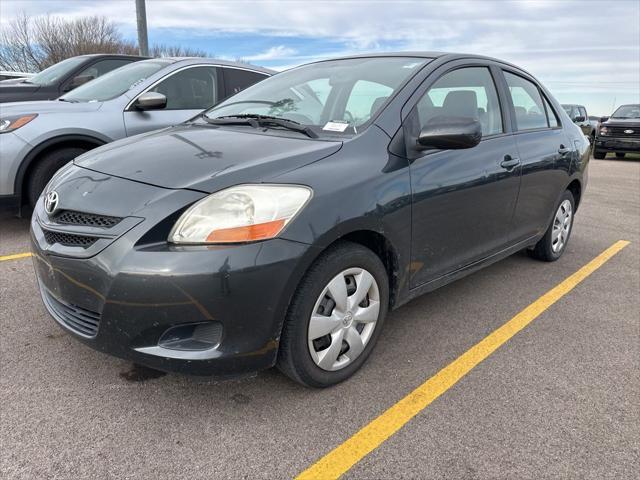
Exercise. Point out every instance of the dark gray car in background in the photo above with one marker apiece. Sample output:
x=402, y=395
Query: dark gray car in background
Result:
x=37, y=138
x=279, y=227
x=62, y=77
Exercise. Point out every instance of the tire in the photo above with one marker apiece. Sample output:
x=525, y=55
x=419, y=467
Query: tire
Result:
x=599, y=155
x=44, y=169
x=619, y=155
x=324, y=367
x=547, y=248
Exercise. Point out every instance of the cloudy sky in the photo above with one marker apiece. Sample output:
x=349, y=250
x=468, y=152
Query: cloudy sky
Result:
x=585, y=51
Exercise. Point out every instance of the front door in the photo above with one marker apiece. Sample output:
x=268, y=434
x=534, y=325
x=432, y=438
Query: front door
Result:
x=463, y=200
x=188, y=91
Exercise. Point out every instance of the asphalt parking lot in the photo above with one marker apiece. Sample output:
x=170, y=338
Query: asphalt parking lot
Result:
x=560, y=399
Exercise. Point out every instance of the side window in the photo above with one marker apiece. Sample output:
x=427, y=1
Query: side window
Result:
x=190, y=89
x=527, y=102
x=466, y=92
x=365, y=100
x=236, y=80
x=551, y=114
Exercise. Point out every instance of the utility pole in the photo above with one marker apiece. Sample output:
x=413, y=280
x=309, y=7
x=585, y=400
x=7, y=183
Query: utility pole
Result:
x=143, y=42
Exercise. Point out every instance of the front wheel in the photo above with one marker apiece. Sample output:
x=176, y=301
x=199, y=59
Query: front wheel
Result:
x=551, y=247
x=597, y=154
x=45, y=168
x=335, y=316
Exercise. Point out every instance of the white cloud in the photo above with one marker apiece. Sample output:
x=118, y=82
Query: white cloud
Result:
x=567, y=43
x=274, y=53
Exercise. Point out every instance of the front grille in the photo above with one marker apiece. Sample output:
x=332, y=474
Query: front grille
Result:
x=71, y=217
x=619, y=132
x=84, y=322
x=69, y=239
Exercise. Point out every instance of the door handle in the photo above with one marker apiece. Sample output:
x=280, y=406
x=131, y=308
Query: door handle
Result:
x=563, y=150
x=510, y=162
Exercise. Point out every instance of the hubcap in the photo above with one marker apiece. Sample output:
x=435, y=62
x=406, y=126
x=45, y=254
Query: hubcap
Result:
x=344, y=318
x=561, y=226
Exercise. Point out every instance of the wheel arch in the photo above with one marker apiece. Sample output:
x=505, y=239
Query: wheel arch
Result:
x=575, y=187
x=46, y=146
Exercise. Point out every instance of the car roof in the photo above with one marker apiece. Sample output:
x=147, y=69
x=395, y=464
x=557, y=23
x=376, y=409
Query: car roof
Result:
x=217, y=61
x=118, y=55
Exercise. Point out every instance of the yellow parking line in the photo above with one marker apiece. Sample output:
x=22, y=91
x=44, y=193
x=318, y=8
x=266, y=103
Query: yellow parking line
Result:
x=354, y=449
x=15, y=256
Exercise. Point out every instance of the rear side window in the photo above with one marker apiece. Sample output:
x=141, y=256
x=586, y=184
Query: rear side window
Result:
x=551, y=114
x=466, y=92
x=237, y=80
x=190, y=89
x=527, y=102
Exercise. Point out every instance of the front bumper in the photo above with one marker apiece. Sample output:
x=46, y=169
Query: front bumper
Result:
x=12, y=151
x=613, y=144
x=122, y=300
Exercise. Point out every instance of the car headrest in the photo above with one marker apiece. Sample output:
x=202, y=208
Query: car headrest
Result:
x=460, y=103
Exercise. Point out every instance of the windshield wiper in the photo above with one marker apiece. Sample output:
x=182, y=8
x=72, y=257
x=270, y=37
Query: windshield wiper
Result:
x=66, y=100
x=257, y=121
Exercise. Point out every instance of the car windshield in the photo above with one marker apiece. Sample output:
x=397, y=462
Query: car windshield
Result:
x=567, y=108
x=627, y=111
x=55, y=72
x=116, y=82
x=332, y=97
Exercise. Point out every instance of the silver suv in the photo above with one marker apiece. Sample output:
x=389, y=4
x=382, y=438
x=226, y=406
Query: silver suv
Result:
x=37, y=138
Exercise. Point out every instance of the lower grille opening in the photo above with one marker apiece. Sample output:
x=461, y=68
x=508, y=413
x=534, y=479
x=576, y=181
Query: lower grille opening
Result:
x=69, y=239
x=82, y=321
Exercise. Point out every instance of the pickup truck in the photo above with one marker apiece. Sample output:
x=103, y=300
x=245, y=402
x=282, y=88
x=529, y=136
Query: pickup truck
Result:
x=619, y=133
x=578, y=114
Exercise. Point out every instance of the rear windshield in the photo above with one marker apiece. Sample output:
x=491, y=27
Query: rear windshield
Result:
x=115, y=83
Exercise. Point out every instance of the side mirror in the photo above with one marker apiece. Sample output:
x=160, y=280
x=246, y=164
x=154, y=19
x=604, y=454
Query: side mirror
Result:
x=450, y=133
x=603, y=119
x=150, y=101
x=579, y=119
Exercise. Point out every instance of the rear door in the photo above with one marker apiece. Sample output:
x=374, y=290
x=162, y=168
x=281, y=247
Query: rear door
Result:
x=189, y=91
x=544, y=151
x=463, y=200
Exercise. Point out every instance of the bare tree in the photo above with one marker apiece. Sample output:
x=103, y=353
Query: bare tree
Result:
x=31, y=44
x=162, y=50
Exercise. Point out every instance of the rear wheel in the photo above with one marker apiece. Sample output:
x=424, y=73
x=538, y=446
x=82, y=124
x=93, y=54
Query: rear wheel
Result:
x=551, y=247
x=619, y=155
x=44, y=169
x=335, y=317
x=599, y=154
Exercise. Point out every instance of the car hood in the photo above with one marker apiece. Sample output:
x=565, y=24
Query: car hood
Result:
x=204, y=158
x=17, y=81
x=48, y=106
x=622, y=122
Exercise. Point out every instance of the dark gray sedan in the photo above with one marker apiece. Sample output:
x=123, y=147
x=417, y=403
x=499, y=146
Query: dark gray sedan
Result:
x=281, y=226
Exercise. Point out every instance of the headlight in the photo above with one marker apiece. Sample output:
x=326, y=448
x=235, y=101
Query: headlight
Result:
x=604, y=131
x=14, y=122
x=245, y=213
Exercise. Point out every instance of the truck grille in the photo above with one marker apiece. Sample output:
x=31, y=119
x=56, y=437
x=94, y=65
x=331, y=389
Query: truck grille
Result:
x=71, y=217
x=68, y=239
x=81, y=321
x=620, y=132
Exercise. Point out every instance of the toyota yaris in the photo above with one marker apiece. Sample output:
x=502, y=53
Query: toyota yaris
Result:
x=280, y=227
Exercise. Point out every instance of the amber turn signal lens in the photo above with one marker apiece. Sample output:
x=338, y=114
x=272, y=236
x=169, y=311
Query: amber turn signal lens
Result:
x=249, y=233
x=22, y=121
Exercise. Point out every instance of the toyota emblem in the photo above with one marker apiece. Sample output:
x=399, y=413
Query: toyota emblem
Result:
x=628, y=131
x=51, y=202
